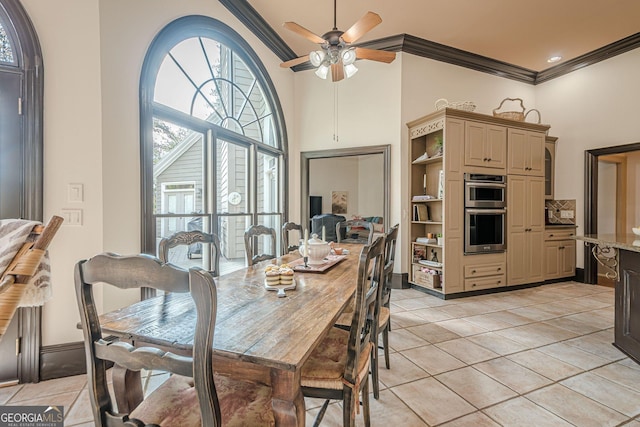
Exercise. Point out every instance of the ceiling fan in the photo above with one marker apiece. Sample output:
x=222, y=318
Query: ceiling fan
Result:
x=337, y=54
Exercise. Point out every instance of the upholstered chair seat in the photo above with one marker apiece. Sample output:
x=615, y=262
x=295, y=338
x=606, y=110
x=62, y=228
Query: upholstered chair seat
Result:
x=325, y=367
x=242, y=403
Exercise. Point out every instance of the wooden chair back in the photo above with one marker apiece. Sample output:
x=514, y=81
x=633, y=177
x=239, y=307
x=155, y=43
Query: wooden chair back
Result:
x=367, y=300
x=251, y=243
x=389, y=260
x=127, y=272
x=346, y=229
x=286, y=228
x=194, y=237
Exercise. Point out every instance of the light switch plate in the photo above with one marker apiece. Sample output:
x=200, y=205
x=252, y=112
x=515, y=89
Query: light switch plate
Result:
x=75, y=193
x=71, y=216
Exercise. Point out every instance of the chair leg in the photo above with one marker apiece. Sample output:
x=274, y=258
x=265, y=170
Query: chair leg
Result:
x=348, y=408
x=320, y=415
x=374, y=369
x=365, y=403
x=385, y=342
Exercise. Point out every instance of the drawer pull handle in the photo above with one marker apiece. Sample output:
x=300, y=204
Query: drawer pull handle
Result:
x=550, y=235
x=489, y=159
x=499, y=281
x=473, y=286
x=499, y=268
x=473, y=271
x=485, y=159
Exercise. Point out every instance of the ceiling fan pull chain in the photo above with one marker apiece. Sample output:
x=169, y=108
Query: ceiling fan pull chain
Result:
x=335, y=113
x=335, y=24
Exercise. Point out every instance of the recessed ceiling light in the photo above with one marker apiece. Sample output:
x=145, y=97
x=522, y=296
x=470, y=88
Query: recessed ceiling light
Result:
x=554, y=59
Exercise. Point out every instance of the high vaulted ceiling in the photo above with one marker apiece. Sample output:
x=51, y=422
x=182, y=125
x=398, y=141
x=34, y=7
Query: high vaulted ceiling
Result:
x=517, y=32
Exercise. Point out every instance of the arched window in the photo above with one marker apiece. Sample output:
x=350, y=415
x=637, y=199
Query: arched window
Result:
x=212, y=140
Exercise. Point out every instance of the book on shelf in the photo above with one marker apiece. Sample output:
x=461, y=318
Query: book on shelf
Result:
x=422, y=198
x=420, y=213
x=426, y=240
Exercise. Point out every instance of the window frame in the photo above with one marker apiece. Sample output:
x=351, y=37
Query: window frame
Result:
x=181, y=29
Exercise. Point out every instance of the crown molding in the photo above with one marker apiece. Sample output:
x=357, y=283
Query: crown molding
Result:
x=246, y=14
x=605, y=52
x=407, y=43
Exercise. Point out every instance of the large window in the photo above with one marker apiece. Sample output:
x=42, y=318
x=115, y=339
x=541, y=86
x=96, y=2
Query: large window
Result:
x=213, y=140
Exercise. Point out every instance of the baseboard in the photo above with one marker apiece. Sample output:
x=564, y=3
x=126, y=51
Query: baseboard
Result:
x=62, y=360
x=400, y=281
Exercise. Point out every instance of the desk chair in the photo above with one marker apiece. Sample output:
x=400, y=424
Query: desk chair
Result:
x=286, y=228
x=189, y=238
x=192, y=396
x=338, y=368
x=354, y=231
x=251, y=243
x=384, y=317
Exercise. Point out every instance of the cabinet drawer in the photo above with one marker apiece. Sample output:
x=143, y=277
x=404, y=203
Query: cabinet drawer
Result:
x=485, y=282
x=562, y=234
x=481, y=270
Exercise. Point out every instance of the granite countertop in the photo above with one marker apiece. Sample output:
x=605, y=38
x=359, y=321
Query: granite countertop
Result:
x=629, y=242
x=560, y=225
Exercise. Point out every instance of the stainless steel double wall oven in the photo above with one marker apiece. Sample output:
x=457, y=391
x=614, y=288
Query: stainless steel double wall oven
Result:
x=485, y=202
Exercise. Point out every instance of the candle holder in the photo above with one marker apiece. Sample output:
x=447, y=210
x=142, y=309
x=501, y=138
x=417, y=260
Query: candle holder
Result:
x=306, y=258
x=424, y=190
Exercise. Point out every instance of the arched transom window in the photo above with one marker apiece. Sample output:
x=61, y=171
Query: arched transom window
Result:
x=213, y=140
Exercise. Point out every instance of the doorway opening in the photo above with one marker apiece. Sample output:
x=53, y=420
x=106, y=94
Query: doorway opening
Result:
x=609, y=196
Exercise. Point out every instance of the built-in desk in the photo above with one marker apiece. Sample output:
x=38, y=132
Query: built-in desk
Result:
x=620, y=254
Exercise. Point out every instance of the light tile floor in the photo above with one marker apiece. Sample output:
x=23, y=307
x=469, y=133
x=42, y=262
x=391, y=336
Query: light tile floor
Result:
x=532, y=357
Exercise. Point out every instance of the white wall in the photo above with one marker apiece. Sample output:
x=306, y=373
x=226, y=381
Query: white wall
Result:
x=607, y=182
x=371, y=186
x=93, y=52
x=594, y=107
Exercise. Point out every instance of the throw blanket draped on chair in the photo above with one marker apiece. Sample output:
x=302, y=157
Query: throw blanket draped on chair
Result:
x=14, y=233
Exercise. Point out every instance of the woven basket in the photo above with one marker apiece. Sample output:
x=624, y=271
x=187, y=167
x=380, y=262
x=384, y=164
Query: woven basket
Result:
x=514, y=115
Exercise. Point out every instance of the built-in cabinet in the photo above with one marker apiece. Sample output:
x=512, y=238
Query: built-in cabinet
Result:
x=445, y=145
x=525, y=224
x=549, y=166
x=525, y=152
x=559, y=252
x=485, y=145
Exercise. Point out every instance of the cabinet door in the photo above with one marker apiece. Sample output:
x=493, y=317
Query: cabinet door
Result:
x=496, y=147
x=535, y=203
x=518, y=204
x=551, y=258
x=517, y=152
x=568, y=266
x=535, y=249
x=535, y=154
x=474, y=144
x=549, y=164
x=517, y=258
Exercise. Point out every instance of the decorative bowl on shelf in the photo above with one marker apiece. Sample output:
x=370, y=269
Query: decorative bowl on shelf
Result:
x=636, y=231
x=318, y=250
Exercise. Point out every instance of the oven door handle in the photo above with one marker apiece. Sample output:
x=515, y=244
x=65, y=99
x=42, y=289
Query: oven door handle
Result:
x=486, y=211
x=485, y=184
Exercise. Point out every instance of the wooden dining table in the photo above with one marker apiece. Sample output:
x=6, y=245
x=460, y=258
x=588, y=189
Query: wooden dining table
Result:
x=258, y=335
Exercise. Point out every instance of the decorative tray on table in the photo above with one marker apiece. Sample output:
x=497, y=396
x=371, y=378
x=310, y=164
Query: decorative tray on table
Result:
x=330, y=261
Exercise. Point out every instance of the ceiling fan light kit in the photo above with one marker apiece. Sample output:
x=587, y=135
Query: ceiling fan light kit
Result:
x=336, y=52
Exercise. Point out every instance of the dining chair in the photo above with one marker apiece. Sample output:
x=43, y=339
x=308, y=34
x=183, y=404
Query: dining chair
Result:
x=251, y=243
x=194, y=240
x=286, y=228
x=354, y=231
x=338, y=368
x=384, y=315
x=192, y=395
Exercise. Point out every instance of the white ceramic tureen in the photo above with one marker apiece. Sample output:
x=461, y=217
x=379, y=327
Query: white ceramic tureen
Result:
x=318, y=250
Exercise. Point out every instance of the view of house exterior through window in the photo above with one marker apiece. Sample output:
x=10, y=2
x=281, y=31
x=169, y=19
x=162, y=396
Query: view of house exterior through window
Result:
x=217, y=150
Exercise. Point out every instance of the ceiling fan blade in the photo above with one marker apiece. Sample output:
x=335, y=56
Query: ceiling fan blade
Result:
x=337, y=72
x=300, y=30
x=361, y=27
x=375, y=55
x=295, y=61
